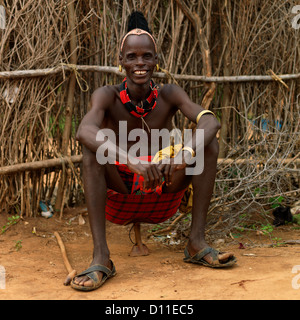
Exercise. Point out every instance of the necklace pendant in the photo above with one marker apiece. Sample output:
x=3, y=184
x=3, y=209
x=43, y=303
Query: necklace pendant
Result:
x=145, y=123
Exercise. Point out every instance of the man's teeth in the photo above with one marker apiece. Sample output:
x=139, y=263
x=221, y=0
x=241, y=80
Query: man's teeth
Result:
x=140, y=72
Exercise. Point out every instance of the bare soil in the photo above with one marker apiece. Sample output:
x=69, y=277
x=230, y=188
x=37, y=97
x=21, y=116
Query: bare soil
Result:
x=35, y=270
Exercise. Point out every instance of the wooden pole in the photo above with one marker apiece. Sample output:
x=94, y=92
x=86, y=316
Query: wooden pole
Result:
x=225, y=102
x=58, y=162
x=22, y=74
x=70, y=101
x=37, y=165
x=205, y=51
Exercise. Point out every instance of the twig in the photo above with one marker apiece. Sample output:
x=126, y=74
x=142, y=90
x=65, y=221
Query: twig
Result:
x=170, y=227
x=72, y=272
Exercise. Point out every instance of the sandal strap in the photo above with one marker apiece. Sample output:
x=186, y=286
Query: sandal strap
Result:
x=201, y=254
x=97, y=267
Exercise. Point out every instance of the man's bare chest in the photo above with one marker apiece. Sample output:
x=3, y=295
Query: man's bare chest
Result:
x=160, y=117
x=129, y=129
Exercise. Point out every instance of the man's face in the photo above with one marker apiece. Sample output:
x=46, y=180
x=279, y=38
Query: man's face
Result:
x=138, y=58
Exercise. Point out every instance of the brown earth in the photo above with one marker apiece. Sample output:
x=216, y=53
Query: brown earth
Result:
x=35, y=270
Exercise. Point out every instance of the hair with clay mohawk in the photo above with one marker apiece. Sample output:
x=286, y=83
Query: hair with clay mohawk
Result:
x=137, y=25
x=137, y=20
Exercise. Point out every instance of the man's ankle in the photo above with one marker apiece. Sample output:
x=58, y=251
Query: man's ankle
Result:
x=100, y=252
x=195, y=245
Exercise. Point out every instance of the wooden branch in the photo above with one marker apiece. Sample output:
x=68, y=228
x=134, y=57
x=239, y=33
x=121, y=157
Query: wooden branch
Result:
x=70, y=101
x=225, y=101
x=170, y=227
x=237, y=79
x=205, y=51
x=71, y=272
x=22, y=74
x=37, y=165
x=5, y=75
x=257, y=161
x=58, y=162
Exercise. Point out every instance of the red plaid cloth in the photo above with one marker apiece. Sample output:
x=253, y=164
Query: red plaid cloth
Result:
x=148, y=206
x=133, y=181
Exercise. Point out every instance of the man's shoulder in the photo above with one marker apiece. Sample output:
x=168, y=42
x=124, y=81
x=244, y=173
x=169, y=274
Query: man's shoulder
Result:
x=109, y=90
x=170, y=92
x=103, y=97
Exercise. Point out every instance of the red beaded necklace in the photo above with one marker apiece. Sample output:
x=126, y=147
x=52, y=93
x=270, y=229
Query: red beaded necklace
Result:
x=148, y=105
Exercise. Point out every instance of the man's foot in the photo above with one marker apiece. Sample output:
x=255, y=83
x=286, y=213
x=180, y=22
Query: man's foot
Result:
x=94, y=276
x=209, y=257
x=139, y=250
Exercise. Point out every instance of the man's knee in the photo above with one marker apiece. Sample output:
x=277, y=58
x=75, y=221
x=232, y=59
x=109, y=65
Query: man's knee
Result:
x=89, y=161
x=211, y=153
x=212, y=150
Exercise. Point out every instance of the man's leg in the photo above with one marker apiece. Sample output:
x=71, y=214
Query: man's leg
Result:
x=203, y=186
x=95, y=179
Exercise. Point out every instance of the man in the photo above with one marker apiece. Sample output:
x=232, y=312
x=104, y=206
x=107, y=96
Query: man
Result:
x=112, y=104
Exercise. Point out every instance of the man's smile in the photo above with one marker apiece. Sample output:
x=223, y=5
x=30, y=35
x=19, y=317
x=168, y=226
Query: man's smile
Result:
x=140, y=72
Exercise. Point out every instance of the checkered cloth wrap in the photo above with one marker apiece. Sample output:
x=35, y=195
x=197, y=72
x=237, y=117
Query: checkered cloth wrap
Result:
x=140, y=205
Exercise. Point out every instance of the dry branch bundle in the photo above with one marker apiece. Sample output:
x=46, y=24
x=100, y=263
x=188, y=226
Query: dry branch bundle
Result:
x=247, y=42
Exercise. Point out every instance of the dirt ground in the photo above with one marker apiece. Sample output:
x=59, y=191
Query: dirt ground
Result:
x=34, y=268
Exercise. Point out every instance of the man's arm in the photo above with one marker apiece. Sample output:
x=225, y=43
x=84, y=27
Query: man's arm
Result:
x=90, y=127
x=92, y=121
x=177, y=97
x=91, y=124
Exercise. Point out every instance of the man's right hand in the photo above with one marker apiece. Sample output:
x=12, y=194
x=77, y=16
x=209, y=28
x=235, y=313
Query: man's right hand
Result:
x=151, y=173
x=174, y=165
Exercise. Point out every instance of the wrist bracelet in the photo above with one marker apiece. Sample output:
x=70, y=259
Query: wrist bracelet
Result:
x=190, y=150
x=202, y=113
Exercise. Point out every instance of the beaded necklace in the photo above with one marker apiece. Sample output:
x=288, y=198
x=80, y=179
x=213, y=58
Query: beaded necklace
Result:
x=147, y=105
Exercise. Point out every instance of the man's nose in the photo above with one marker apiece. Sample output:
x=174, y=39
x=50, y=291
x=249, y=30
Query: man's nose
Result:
x=140, y=61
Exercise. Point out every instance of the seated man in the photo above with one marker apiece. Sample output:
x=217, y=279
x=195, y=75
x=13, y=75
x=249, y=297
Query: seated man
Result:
x=139, y=103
